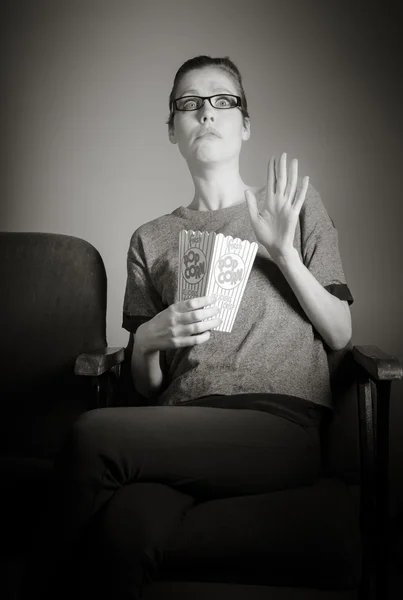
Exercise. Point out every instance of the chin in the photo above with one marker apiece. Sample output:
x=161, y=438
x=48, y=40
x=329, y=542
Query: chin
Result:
x=210, y=154
x=206, y=161
x=206, y=157
x=203, y=156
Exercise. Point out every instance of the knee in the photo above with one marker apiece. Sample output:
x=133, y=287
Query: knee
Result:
x=89, y=428
x=86, y=438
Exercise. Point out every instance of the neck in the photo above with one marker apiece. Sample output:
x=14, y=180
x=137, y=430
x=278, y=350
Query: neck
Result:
x=217, y=187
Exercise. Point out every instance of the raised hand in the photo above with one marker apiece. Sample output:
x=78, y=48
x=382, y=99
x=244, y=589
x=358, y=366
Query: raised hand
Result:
x=275, y=225
x=181, y=324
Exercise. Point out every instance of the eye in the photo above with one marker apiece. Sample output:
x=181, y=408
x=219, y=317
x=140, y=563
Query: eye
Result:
x=224, y=101
x=189, y=103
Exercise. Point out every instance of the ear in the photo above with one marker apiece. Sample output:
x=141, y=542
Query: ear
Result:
x=172, y=136
x=246, y=129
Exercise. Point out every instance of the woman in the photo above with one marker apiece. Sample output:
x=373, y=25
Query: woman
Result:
x=272, y=367
x=296, y=291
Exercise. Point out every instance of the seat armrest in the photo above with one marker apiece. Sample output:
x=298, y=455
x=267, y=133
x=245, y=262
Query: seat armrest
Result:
x=96, y=363
x=378, y=370
x=378, y=365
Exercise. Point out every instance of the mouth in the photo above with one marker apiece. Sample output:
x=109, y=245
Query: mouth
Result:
x=209, y=134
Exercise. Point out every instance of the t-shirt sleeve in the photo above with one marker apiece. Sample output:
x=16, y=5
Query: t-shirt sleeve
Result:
x=141, y=300
x=320, y=246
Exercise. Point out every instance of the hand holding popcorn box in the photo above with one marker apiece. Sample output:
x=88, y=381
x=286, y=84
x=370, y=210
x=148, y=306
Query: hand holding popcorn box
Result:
x=214, y=264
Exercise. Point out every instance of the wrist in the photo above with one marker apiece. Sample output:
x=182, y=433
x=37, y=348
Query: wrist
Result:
x=285, y=257
x=141, y=341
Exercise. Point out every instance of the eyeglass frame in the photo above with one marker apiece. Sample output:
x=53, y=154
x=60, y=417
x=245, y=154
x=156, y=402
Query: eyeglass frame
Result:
x=204, y=98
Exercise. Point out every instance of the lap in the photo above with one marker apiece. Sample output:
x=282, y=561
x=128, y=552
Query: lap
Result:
x=201, y=425
x=201, y=449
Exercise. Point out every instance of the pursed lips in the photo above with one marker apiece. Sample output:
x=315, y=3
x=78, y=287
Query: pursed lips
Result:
x=208, y=132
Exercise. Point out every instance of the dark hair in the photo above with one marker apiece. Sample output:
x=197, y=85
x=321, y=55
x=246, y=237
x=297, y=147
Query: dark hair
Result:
x=199, y=62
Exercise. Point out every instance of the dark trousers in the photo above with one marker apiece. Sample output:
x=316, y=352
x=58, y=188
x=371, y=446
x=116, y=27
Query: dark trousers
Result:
x=127, y=476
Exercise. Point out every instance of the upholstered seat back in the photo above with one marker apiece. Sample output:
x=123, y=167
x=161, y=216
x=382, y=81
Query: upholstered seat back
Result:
x=52, y=305
x=52, y=308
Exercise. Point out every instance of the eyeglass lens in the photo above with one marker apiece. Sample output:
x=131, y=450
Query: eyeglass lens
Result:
x=221, y=101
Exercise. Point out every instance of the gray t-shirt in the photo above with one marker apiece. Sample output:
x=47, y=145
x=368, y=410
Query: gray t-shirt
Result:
x=273, y=347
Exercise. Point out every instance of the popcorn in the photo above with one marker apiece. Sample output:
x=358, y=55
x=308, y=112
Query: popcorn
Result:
x=214, y=264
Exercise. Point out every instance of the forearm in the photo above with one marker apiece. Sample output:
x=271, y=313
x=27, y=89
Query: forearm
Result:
x=145, y=368
x=328, y=314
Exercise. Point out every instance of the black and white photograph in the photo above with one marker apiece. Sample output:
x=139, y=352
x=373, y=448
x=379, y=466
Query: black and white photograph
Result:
x=201, y=306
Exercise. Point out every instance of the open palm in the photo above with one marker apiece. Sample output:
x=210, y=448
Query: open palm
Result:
x=275, y=225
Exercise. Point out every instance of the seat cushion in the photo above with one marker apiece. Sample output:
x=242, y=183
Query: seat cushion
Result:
x=308, y=536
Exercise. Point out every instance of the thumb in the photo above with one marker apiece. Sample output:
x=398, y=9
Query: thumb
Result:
x=252, y=205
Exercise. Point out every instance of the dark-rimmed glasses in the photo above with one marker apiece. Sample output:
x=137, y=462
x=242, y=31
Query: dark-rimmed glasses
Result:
x=220, y=101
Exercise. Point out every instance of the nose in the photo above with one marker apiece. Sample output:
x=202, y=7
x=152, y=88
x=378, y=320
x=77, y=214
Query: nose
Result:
x=206, y=112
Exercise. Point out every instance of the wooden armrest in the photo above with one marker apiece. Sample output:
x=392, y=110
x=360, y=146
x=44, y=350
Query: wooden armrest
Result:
x=378, y=365
x=96, y=363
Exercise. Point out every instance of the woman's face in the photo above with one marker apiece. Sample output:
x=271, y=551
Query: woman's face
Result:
x=191, y=128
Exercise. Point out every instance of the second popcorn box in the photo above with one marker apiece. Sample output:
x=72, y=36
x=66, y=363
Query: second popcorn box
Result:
x=211, y=263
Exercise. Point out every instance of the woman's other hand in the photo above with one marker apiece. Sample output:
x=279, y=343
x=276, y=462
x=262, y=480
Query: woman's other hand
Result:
x=275, y=226
x=181, y=324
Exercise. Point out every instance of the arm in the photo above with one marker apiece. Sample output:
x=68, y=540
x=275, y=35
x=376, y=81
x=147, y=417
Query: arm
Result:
x=141, y=304
x=275, y=228
x=183, y=324
x=330, y=316
x=155, y=327
x=145, y=368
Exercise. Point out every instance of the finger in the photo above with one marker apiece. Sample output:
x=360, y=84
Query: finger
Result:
x=292, y=180
x=193, y=330
x=252, y=206
x=300, y=198
x=195, y=303
x=192, y=340
x=201, y=326
x=282, y=174
x=198, y=315
x=271, y=181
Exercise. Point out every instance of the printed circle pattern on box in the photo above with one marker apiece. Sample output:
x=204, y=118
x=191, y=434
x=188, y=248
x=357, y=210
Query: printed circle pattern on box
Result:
x=194, y=265
x=229, y=270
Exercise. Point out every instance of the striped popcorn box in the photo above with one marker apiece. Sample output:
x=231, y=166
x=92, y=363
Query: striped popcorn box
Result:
x=195, y=251
x=228, y=273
